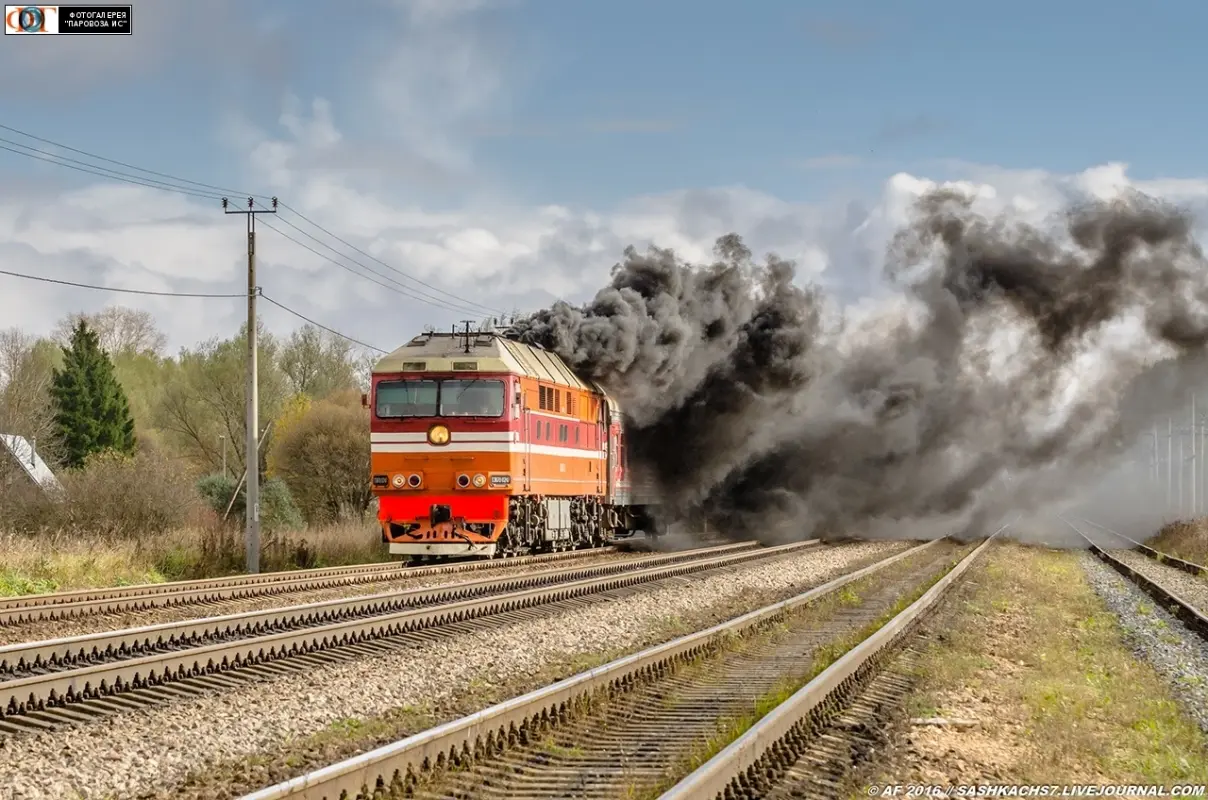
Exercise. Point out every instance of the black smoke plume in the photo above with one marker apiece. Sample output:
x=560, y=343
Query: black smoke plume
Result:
x=1013, y=361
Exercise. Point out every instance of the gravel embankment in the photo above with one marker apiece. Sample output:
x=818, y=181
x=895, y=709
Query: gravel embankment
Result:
x=150, y=751
x=36, y=631
x=1192, y=588
x=1156, y=636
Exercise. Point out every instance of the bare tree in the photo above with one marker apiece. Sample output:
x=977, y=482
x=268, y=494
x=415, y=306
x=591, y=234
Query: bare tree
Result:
x=318, y=364
x=26, y=370
x=121, y=330
x=203, y=399
x=363, y=366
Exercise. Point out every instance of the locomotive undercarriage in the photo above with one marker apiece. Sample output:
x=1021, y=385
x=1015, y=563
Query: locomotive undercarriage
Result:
x=547, y=524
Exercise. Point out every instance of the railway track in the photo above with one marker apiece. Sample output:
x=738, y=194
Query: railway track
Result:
x=61, y=682
x=56, y=655
x=1190, y=608
x=636, y=725
x=216, y=591
x=1189, y=567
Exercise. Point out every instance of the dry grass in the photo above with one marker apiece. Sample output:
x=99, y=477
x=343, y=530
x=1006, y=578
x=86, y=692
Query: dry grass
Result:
x=61, y=560
x=1036, y=660
x=1186, y=539
x=140, y=519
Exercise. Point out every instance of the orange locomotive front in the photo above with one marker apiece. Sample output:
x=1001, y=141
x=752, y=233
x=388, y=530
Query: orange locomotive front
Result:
x=484, y=447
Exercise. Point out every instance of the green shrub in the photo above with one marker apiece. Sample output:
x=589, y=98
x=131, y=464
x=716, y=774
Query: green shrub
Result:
x=278, y=511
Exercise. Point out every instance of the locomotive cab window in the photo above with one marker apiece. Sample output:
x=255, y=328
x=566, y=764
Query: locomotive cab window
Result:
x=431, y=398
x=473, y=398
x=406, y=399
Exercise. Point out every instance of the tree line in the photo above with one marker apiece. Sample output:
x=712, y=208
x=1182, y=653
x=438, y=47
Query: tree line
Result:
x=101, y=397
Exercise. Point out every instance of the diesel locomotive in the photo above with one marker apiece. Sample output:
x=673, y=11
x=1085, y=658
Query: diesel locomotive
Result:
x=485, y=447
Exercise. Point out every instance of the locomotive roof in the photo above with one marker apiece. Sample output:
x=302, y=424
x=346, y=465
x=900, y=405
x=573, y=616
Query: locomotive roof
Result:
x=489, y=352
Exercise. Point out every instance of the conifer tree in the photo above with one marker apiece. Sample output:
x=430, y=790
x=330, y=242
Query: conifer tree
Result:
x=92, y=413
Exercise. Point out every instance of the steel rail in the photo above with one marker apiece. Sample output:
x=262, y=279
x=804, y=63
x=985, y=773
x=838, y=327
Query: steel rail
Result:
x=1189, y=567
x=83, y=602
x=1187, y=613
x=401, y=764
x=103, y=680
x=50, y=654
x=741, y=769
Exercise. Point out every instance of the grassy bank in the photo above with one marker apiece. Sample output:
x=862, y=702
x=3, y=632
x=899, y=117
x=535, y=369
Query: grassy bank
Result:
x=1034, y=666
x=60, y=561
x=1187, y=540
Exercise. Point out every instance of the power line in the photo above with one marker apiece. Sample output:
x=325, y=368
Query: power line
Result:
x=103, y=172
x=319, y=324
x=397, y=287
x=282, y=306
x=348, y=269
x=384, y=264
x=465, y=306
x=114, y=289
x=111, y=174
x=474, y=307
x=175, y=178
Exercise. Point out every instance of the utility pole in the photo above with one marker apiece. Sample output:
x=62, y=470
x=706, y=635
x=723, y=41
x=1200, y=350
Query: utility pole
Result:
x=1182, y=471
x=1157, y=471
x=1203, y=490
x=252, y=537
x=1194, y=505
x=1169, y=464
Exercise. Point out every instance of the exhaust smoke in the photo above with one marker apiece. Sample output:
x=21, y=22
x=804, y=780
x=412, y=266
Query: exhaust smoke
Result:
x=1011, y=365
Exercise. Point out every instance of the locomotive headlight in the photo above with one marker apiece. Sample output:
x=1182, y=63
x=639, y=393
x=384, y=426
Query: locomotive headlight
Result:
x=438, y=434
x=398, y=481
x=480, y=480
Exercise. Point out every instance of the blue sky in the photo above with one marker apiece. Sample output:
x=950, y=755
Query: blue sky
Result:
x=621, y=98
x=439, y=134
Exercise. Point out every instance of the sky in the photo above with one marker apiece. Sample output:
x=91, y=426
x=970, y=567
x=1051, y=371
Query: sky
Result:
x=488, y=156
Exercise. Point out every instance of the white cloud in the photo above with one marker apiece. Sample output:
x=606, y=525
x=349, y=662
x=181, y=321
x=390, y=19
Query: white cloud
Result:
x=442, y=72
x=491, y=253
x=436, y=73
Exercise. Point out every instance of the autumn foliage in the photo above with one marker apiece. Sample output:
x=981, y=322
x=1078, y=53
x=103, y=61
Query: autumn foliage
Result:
x=323, y=456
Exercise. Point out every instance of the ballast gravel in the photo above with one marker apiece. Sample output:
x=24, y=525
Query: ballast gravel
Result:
x=145, y=753
x=1156, y=636
x=36, y=631
x=1191, y=588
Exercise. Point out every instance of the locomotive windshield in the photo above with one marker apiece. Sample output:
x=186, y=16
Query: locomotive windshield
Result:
x=407, y=398
x=475, y=398
x=445, y=398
